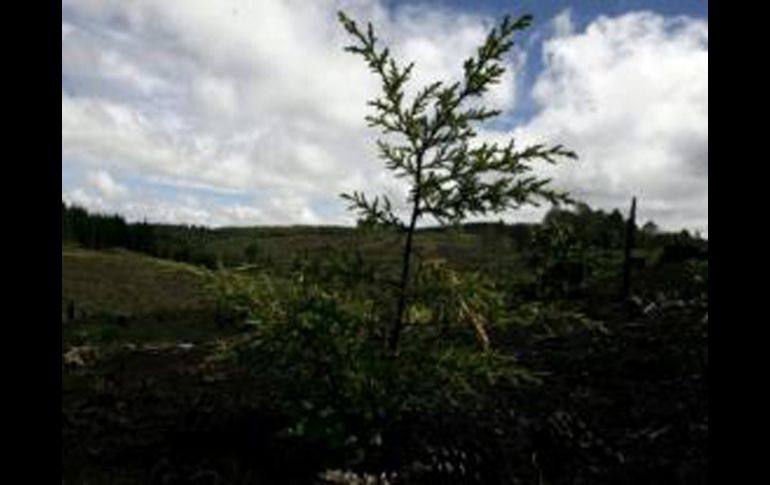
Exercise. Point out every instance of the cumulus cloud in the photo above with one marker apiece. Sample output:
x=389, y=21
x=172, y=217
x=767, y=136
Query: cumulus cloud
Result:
x=562, y=23
x=251, y=97
x=630, y=95
x=186, y=209
x=106, y=185
x=254, y=107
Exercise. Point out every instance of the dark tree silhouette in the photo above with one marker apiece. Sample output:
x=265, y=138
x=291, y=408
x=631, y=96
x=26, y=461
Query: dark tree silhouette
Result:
x=432, y=146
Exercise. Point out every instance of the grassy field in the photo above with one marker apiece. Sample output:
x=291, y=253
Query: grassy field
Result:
x=152, y=393
x=117, y=294
x=278, y=248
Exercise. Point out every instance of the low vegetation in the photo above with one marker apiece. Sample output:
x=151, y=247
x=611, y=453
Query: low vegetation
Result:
x=478, y=353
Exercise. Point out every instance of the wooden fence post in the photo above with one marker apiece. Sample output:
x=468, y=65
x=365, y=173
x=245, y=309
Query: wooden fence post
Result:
x=629, y=245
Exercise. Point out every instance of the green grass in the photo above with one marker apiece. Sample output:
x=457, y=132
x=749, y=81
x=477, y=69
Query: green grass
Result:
x=120, y=295
x=127, y=408
x=124, y=283
x=280, y=246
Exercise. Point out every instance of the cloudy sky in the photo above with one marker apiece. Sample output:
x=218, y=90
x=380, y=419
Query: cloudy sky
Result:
x=248, y=112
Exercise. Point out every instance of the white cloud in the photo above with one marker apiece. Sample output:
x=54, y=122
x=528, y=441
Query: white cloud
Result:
x=82, y=198
x=630, y=95
x=181, y=208
x=247, y=96
x=562, y=23
x=258, y=99
x=66, y=29
x=106, y=185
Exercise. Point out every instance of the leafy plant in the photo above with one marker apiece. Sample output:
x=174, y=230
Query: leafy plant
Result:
x=546, y=320
x=559, y=258
x=341, y=391
x=444, y=297
x=431, y=143
x=244, y=297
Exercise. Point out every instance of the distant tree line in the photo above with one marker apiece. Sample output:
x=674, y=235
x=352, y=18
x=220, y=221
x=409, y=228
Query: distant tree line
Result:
x=606, y=230
x=191, y=244
x=594, y=228
x=102, y=231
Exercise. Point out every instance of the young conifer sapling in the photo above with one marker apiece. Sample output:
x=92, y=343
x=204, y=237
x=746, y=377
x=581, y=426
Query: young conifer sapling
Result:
x=430, y=143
